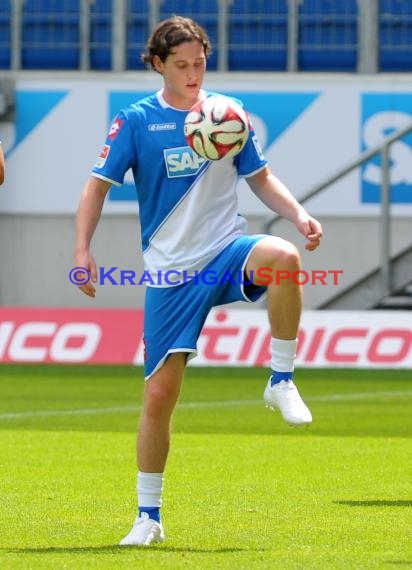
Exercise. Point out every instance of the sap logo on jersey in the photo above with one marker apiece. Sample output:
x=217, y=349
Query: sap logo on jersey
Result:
x=182, y=161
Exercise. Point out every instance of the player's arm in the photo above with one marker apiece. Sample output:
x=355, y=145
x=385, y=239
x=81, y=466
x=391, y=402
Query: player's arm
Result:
x=2, y=165
x=276, y=196
x=87, y=218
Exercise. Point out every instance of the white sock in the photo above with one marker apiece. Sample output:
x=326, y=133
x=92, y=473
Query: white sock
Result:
x=283, y=354
x=149, y=489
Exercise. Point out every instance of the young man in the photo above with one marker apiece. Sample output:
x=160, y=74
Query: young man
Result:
x=189, y=223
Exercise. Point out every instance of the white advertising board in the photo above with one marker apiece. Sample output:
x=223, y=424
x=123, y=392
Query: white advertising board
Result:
x=310, y=127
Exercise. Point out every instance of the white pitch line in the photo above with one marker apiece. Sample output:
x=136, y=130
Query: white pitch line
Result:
x=198, y=405
x=359, y=396
x=80, y=412
x=131, y=409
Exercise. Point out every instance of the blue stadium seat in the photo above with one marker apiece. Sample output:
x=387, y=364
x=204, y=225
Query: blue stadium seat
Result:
x=101, y=17
x=395, y=35
x=258, y=35
x=5, y=34
x=328, y=35
x=137, y=32
x=51, y=34
x=206, y=13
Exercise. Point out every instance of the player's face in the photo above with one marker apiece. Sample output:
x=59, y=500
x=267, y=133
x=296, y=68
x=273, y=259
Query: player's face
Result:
x=183, y=72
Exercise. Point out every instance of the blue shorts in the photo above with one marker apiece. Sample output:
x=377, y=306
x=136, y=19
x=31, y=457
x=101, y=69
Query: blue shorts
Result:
x=174, y=316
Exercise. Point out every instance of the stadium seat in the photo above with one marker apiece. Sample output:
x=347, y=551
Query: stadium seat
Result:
x=395, y=35
x=258, y=35
x=5, y=34
x=328, y=35
x=205, y=12
x=137, y=32
x=50, y=34
x=101, y=18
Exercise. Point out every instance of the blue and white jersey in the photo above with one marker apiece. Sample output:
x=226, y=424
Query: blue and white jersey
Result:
x=188, y=205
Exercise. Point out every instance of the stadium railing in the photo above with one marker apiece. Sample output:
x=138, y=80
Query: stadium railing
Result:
x=382, y=149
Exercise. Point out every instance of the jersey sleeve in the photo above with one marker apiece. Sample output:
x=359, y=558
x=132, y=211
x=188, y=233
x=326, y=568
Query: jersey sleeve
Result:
x=251, y=159
x=118, y=153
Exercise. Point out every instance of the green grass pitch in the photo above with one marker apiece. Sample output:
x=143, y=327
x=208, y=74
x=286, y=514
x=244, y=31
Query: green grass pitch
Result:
x=243, y=490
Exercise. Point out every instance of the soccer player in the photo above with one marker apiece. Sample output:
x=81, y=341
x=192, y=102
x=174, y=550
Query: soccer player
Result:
x=190, y=223
x=2, y=165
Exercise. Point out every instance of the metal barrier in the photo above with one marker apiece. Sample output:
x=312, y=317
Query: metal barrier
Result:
x=385, y=244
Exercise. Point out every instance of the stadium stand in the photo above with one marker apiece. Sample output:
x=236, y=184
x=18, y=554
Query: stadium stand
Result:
x=137, y=32
x=255, y=32
x=395, y=34
x=258, y=35
x=101, y=35
x=51, y=34
x=328, y=35
x=205, y=12
x=5, y=34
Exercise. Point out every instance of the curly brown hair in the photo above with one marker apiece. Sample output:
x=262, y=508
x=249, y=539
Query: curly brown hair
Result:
x=171, y=33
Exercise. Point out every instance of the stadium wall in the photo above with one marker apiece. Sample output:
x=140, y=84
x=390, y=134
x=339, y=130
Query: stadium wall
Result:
x=37, y=255
x=310, y=126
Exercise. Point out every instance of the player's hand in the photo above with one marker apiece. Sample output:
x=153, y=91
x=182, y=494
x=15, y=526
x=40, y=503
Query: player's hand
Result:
x=311, y=229
x=313, y=241
x=86, y=263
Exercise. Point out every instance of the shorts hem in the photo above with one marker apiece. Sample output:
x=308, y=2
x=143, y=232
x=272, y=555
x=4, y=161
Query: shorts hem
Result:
x=242, y=286
x=192, y=353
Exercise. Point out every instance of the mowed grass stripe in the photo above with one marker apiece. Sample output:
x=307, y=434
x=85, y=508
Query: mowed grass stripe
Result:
x=199, y=405
x=242, y=490
x=232, y=502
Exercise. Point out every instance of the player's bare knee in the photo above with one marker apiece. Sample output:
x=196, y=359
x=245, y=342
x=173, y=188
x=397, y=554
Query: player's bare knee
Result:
x=287, y=257
x=160, y=397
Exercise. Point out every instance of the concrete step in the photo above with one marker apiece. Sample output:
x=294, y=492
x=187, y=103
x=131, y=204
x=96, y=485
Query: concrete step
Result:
x=396, y=302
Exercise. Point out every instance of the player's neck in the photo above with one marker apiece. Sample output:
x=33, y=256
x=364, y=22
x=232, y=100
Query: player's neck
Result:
x=178, y=102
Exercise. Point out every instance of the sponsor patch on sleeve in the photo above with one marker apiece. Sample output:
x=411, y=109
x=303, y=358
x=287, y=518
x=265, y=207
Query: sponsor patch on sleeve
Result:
x=101, y=161
x=115, y=129
x=258, y=147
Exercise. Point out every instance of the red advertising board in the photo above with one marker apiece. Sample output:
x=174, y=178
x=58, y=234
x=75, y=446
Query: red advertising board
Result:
x=378, y=339
x=69, y=335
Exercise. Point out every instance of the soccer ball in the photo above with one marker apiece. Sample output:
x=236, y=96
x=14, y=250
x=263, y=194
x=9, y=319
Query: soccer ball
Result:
x=216, y=127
